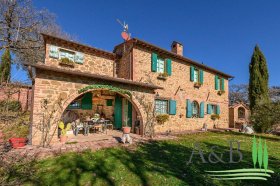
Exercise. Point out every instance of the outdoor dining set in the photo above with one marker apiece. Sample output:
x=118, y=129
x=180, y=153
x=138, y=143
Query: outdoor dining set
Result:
x=94, y=124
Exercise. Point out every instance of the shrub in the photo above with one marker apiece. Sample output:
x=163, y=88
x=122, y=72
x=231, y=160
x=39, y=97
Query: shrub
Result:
x=266, y=115
x=215, y=116
x=162, y=118
x=13, y=105
x=67, y=61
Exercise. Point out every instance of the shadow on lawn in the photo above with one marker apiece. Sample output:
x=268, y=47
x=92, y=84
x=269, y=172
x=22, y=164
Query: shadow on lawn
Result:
x=164, y=159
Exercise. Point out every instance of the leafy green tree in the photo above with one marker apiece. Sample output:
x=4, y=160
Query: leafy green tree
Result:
x=5, y=67
x=258, y=83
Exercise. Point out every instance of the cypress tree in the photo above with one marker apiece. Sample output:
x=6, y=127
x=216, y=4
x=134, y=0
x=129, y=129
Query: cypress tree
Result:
x=258, y=83
x=5, y=67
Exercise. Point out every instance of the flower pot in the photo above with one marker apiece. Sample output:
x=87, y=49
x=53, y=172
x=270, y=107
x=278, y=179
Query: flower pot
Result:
x=17, y=142
x=63, y=139
x=126, y=130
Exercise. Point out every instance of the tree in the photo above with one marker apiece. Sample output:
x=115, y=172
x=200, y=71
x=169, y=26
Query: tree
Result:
x=258, y=83
x=20, y=28
x=5, y=67
x=238, y=93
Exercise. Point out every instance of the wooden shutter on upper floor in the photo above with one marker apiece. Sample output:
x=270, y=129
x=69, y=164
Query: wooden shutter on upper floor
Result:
x=201, y=76
x=53, y=51
x=216, y=82
x=168, y=67
x=223, y=84
x=192, y=73
x=154, y=62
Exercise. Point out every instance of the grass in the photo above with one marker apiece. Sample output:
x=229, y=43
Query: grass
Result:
x=155, y=163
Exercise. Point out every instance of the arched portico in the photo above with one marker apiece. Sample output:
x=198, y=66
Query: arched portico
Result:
x=100, y=97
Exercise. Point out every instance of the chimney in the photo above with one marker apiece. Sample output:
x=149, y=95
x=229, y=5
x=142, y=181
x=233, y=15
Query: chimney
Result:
x=177, y=48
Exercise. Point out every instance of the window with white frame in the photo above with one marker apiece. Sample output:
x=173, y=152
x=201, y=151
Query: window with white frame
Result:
x=160, y=65
x=195, y=109
x=196, y=75
x=219, y=83
x=214, y=109
x=161, y=106
x=66, y=54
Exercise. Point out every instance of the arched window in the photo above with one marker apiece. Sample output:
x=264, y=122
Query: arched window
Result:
x=241, y=113
x=195, y=109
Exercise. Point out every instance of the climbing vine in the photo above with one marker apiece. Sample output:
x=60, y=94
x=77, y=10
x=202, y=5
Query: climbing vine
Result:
x=108, y=87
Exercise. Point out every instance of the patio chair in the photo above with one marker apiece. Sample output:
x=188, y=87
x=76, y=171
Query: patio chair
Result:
x=80, y=126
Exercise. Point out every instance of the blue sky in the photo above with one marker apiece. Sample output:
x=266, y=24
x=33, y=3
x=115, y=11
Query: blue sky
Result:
x=221, y=34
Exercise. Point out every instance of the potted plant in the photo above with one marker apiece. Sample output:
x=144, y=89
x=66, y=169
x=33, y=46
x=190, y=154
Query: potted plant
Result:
x=66, y=62
x=64, y=129
x=221, y=92
x=197, y=84
x=215, y=116
x=126, y=128
x=18, y=142
x=163, y=75
x=162, y=118
x=16, y=135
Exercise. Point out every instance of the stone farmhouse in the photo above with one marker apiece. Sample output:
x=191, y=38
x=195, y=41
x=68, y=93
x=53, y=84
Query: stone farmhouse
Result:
x=85, y=80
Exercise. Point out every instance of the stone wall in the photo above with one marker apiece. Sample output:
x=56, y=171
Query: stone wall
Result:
x=92, y=62
x=21, y=94
x=124, y=68
x=179, y=87
x=52, y=86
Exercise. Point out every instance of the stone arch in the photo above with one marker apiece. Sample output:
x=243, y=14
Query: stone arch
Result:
x=69, y=98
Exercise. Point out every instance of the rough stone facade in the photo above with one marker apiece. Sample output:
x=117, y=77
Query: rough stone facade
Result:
x=133, y=62
x=179, y=87
x=236, y=119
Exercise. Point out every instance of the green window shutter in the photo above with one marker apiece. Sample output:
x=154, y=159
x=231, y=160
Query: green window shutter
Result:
x=189, y=109
x=192, y=73
x=79, y=57
x=223, y=84
x=201, y=112
x=154, y=62
x=209, y=109
x=87, y=101
x=109, y=102
x=168, y=67
x=172, y=107
x=216, y=82
x=53, y=51
x=201, y=76
x=218, y=109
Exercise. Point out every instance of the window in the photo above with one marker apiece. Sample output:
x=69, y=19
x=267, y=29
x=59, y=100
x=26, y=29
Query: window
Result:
x=75, y=105
x=160, y=65
x=161, y=106
x=196, y=75
x=219, y=83
x=214, y=109
x=195, y=109
x=66, y=54
x=241, y=113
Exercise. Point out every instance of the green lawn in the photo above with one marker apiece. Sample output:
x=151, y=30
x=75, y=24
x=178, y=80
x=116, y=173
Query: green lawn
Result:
x=156, y=163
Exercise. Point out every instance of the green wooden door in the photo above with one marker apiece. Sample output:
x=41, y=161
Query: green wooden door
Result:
x=118, y=112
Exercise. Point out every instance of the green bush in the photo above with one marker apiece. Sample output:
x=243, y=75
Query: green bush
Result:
x=264, y=116
x=13, y=105
x=162, y=118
